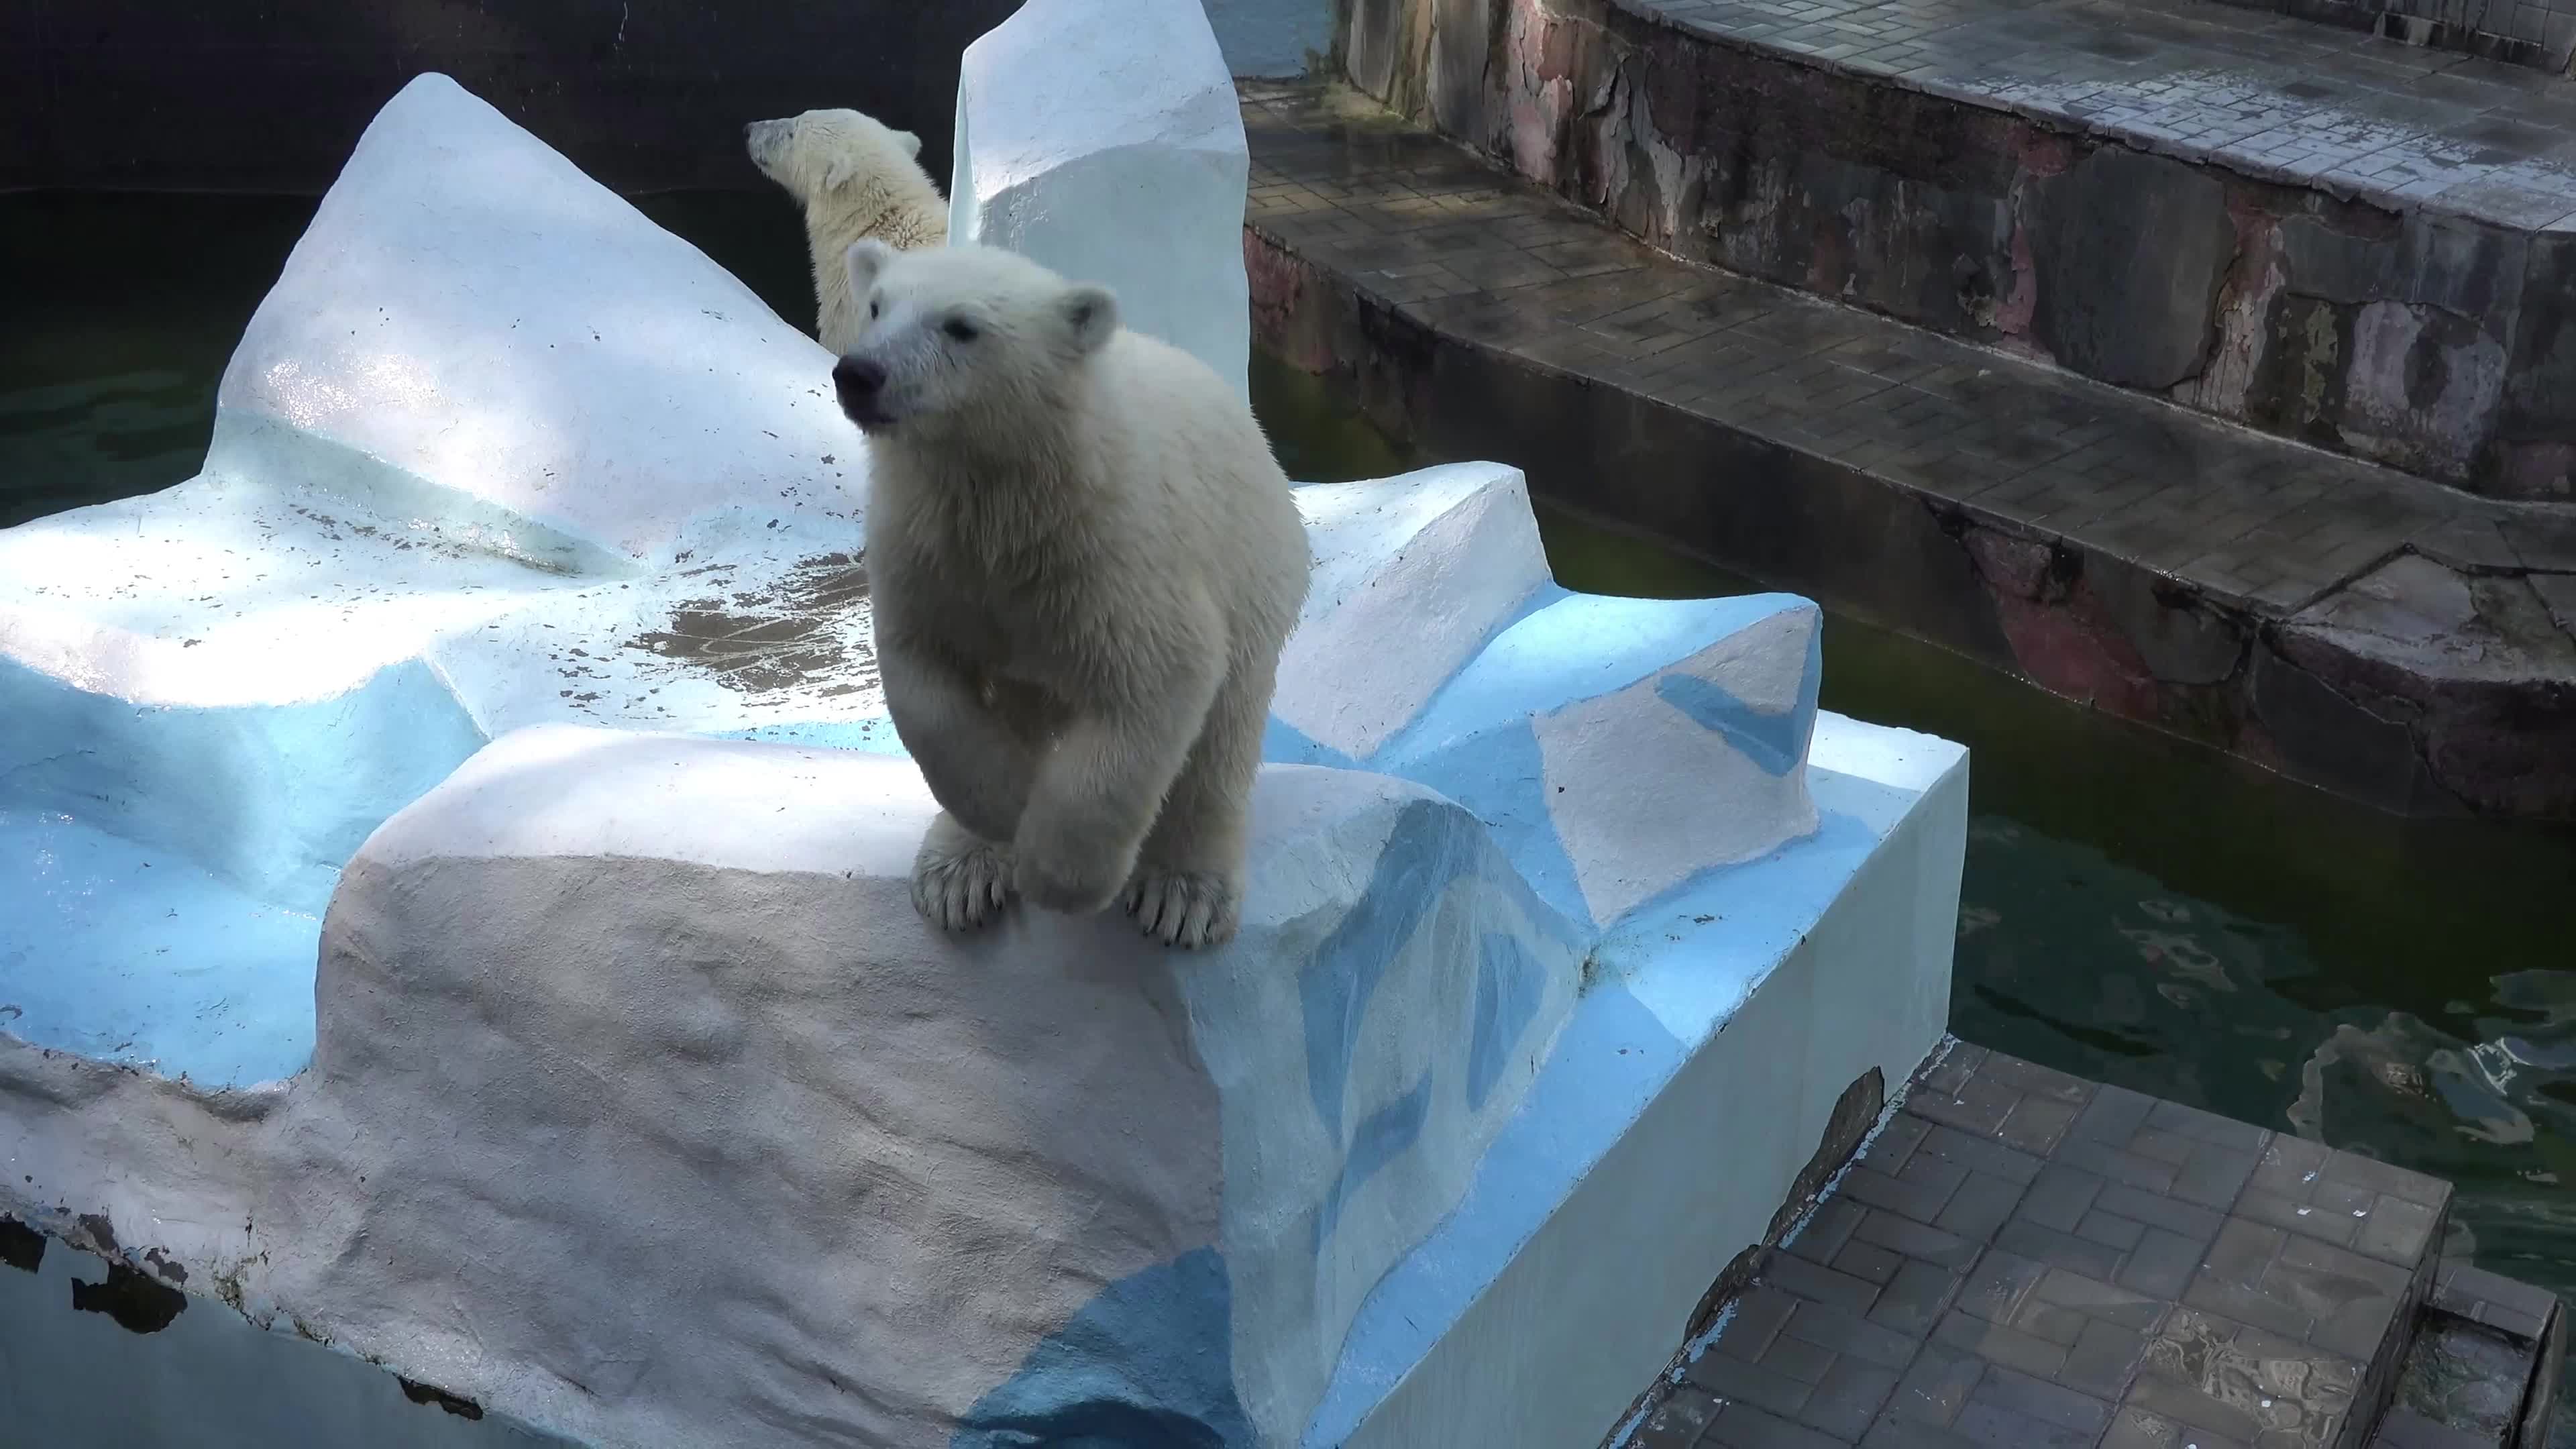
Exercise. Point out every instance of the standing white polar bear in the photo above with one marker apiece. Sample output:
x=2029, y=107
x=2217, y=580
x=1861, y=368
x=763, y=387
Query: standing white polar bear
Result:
x=1085, y=561
x=855, y=177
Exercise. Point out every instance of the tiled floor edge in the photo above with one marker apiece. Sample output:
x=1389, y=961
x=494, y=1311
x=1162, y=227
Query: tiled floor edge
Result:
x=1865, y=1111
x=2020, y=1257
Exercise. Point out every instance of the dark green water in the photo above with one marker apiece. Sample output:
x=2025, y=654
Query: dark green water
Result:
x=2136, y=910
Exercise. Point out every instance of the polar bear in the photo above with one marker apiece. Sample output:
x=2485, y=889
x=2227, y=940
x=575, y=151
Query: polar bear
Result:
x=855, y=177
x=1085, y=561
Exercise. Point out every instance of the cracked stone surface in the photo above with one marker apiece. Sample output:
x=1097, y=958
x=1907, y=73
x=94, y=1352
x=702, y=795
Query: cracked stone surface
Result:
x=2369, y=631
x=2430, y=622
x=2462, y=660
x=2558, y=593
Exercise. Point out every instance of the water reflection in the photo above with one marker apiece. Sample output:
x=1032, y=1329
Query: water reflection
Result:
x=2074, y=959
x=2275, y=1390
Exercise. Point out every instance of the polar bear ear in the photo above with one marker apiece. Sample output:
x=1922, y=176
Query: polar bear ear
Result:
x=910, y=143
x=866, y=257
x=1092, y=313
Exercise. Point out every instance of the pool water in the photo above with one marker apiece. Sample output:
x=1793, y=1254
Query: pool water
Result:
x=2136, y=909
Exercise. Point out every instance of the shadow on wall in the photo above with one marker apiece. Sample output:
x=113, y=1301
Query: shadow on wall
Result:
x=645, y=95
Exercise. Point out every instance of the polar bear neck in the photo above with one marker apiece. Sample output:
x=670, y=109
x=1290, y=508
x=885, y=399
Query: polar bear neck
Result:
x=980, y=501
x=1024, y=457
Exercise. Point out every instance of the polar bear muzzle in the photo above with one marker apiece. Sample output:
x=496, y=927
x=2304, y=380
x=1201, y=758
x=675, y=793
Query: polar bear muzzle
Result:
x=762, y=140
x=860, y=384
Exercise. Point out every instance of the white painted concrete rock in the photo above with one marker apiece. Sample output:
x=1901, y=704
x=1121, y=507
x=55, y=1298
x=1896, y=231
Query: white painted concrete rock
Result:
x=1041, y=1180
x=1412, y=576
x=1106, y=142
x=470, y=312
x=1618, y=747
x=1101, y=1184
x=495, y=451
x=644, y=1109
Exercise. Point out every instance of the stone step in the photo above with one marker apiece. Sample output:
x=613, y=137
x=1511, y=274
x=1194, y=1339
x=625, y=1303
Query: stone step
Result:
x=2482, y=1371
x=2385, y=637
x=2318, y=232
x=2020, y=1257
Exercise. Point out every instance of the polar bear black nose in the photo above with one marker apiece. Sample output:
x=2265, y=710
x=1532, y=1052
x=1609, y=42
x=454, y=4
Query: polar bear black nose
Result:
x=858, y=381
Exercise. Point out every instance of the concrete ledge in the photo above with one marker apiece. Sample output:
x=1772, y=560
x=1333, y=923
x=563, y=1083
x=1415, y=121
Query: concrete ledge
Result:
x=2389, y=639
x=2326, y=236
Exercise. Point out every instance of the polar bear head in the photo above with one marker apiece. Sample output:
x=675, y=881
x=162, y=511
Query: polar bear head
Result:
x=964, y=336
x=823, y=151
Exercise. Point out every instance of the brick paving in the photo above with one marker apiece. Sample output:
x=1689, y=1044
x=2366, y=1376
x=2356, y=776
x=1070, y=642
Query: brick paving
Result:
x=2262, y=93
x=2021, y=1258
x=2248, y=520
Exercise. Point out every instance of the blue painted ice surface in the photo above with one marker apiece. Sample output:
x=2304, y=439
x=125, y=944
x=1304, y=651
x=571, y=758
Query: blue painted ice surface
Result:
x=275, y=798
x=1433, y=846
x=1475, y=742
x=867, y=736
x=163, y=871
x=1665, y=981
x=1576, y=646
x=1774, y=742
x=132, y=954
x=116, y=944
x=1147, y=1363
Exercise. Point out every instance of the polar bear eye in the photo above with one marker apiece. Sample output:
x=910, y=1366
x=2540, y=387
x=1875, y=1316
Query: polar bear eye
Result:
x=960, y=328
x=872, y=309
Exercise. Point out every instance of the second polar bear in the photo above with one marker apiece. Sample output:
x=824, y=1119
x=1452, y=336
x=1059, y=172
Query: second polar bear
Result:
x=855, y=177
x=1085, y=561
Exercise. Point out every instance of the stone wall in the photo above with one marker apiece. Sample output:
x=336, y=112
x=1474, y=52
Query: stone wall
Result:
x=643, y=94
x=2434, y=343
x=2359, y=695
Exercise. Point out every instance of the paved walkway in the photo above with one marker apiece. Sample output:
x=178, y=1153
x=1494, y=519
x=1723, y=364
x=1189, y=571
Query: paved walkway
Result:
x=2249, y=520
x=2020, y=1258
x=2265, y=94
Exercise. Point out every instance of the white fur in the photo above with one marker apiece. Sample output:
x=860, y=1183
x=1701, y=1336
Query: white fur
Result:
x=855, y=178
x=1085, y=561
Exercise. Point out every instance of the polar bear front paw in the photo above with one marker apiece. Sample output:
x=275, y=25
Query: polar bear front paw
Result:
x=960, y=882
x=1184, y=908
